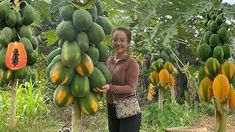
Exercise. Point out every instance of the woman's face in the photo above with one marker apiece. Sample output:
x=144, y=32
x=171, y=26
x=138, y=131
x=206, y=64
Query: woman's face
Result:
x=120, y=42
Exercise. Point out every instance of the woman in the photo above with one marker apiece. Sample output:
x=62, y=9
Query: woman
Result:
x=125, y=72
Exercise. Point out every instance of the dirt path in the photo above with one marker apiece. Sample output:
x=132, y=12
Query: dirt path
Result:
x=209, y=123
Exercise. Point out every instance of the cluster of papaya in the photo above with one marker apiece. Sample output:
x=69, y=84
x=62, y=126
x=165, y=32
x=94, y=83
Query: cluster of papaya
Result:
x=216, y=81
x=77, y=65
x=162, y=76
x=216, y=38
x=218, y=72
x=18, y=46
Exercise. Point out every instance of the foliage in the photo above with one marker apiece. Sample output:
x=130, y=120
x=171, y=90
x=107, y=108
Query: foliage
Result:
x=173, y=115
x=31, y=106
x=51, y=36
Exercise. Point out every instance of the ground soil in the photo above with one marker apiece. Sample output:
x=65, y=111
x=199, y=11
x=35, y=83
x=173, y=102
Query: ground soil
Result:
x=209, y=123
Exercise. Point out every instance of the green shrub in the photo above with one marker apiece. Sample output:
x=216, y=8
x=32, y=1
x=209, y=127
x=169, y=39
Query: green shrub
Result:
x=31, y=108
x=172, y=115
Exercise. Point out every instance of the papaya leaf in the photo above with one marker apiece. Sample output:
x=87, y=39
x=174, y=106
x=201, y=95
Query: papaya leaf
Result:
x=55, y=5
x=42, y=7
x=51, y=36
x=85, y=4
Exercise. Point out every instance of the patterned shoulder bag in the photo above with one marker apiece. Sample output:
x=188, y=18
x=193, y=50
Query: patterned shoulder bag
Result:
x=127, y=107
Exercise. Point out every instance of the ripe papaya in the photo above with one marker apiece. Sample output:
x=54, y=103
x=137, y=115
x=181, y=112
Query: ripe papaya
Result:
x=62, y=96
x=205, y=89
x=221, y=88
x=228, y=69
x=164, y=77
x=88, y=104
x=16, y=56
x=61, y=74
x=86, y=66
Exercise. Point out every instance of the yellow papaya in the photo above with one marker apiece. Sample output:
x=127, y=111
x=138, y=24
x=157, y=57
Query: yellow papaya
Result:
x=231, y=98
x=228, y=69
x=164, y=77
x=221, y=87
x=205, y=89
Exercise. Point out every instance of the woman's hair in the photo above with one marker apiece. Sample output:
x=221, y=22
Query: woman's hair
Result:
x=127, y=32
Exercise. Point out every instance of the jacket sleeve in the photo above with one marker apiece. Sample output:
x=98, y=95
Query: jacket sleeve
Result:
x=132, y=74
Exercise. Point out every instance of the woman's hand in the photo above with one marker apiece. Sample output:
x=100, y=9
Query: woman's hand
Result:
x=103, y=89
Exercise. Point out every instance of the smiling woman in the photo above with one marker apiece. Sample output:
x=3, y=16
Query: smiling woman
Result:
x=125, y=71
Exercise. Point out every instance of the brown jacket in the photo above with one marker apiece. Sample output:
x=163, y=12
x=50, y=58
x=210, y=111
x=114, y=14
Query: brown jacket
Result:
x=125, y=74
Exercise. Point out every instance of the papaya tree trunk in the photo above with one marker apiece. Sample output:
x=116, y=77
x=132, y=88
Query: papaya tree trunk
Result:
x=160, y=98
x=220, y=115
x=76, y=118
x=12, y=115
x=173, y=96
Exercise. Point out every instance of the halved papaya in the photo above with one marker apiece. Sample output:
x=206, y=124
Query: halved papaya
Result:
x=16, y=56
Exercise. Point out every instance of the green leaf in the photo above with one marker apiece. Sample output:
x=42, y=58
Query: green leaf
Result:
x=42, y=6
x=51, y=36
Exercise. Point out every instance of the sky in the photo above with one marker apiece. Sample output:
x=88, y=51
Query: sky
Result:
x=229, y=1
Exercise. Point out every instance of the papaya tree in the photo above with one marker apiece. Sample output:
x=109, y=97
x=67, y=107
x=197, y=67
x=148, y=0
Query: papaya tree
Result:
x=216, y=75
x=161, y=79
x=18, y=47
x=77, y=65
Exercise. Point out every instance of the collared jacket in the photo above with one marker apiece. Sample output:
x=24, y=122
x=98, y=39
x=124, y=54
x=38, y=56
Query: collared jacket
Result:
x=125, y=73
